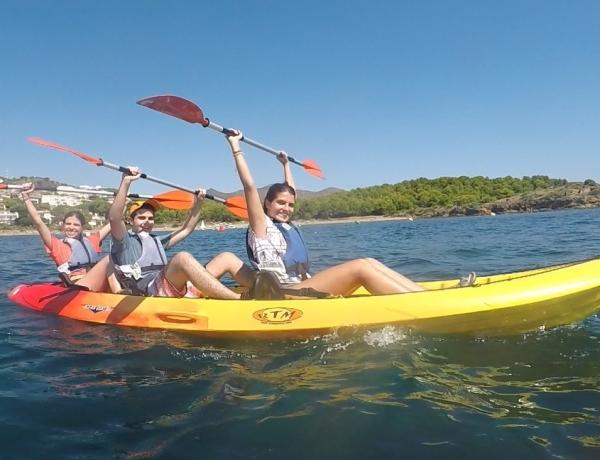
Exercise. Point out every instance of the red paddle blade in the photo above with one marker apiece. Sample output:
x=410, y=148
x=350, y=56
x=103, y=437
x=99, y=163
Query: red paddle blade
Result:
x=175, y=199
x=313, y=168
x=52, y=145
x=3, y=186
x=176, y=107
x=237, y=206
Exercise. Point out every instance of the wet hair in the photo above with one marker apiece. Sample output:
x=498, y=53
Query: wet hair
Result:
x=275, y=190
x=75, y=214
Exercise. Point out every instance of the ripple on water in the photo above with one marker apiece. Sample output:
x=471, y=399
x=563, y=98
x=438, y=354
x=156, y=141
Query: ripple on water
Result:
x=138, y=393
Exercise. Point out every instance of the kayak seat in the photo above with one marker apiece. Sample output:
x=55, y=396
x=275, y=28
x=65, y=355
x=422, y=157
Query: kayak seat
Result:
x=266, y=286
x=70, y=284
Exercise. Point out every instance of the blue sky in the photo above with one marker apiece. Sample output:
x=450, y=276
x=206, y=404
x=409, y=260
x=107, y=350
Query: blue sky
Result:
x=375, y=92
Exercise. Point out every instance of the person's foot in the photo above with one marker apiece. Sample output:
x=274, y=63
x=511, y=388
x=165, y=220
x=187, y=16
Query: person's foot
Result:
x=468, y=280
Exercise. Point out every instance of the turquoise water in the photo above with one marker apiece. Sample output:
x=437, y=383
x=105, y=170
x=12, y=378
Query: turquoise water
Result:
x=71, y=390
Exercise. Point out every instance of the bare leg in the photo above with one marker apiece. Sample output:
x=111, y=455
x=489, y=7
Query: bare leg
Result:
x=183, y=267
x=345, y=278
x=113, y=283
x=401, y=280
x=227, y=262
x=95, y=279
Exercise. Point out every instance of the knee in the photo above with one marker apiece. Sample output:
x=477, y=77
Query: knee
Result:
x=360, y=265
x=228, y=256
x=183, y=258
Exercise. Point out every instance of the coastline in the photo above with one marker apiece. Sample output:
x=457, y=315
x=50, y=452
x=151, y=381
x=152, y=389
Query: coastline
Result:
x=213, y=226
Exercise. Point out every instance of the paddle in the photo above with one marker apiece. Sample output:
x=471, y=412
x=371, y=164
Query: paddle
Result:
x=173, y=199
x=236, y=205
x=186, y=110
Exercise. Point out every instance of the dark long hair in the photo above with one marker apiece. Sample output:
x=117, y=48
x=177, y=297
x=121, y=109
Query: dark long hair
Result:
x=275, y=190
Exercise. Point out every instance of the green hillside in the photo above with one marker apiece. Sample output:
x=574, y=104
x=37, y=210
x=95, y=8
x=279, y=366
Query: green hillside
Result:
x=421, y=196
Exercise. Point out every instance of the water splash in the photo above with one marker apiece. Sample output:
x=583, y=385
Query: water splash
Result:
x=384, y=337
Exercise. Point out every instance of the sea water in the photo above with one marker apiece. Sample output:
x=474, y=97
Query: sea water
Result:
x=72, y=390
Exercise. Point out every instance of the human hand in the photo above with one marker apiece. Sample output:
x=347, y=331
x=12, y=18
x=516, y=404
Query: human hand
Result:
x=28, y=187
x=282, y=157
x=199, y=195
x=234, y=141
x=134, y=174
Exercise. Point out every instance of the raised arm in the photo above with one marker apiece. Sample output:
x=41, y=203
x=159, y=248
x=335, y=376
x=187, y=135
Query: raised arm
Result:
x=40, y=226
x=118, y=229
x=104, y=231
x=255, y=209
x=287, y=171
x=190, y=222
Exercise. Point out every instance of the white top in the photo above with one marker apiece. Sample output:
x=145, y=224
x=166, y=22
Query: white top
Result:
x=269, y=252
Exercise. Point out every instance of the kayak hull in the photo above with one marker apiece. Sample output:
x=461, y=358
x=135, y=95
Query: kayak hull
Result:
x=496, y=305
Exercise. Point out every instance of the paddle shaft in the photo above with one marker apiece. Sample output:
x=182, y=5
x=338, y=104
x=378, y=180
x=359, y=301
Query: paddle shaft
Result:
x=125, y=170
x=258, y=145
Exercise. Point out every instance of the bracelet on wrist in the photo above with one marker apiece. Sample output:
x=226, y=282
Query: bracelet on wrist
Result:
x=237, y=152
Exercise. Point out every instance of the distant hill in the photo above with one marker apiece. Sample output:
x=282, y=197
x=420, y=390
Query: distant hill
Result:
x=453, y=196
x=263, y=191
x=40, y=182
x=45, y=183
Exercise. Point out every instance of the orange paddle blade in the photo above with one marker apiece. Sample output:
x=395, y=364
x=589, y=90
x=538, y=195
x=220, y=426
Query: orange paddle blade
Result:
x=175, y=199
x=52, y=145
x=237, y=206
x=313, y=168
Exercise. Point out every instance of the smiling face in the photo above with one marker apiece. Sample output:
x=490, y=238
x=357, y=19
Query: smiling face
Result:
x=72, y=227
x=282, y=206
x=143, y=221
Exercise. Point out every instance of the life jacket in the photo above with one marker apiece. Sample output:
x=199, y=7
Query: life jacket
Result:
x=296, y=258
x=83, y=255
x=142, y=272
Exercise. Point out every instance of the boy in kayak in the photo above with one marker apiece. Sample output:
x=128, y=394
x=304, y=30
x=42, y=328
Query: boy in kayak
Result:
x=276, y=245
x=141, y=264
x=76, y=255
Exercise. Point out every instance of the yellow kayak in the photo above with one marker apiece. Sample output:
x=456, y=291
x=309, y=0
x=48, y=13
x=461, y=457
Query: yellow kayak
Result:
x=495, y=305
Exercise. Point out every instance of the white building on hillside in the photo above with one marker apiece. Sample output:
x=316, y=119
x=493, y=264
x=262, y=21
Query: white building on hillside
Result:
x=96, y=220
x=8, y=217
x=47, y=216
x=60, y=200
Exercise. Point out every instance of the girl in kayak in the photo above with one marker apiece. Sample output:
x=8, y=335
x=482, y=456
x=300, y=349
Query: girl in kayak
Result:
x=275, y=244
x=76, y=255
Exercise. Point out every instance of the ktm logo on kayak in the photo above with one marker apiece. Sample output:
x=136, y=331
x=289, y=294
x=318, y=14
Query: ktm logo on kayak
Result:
x=279, y=315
